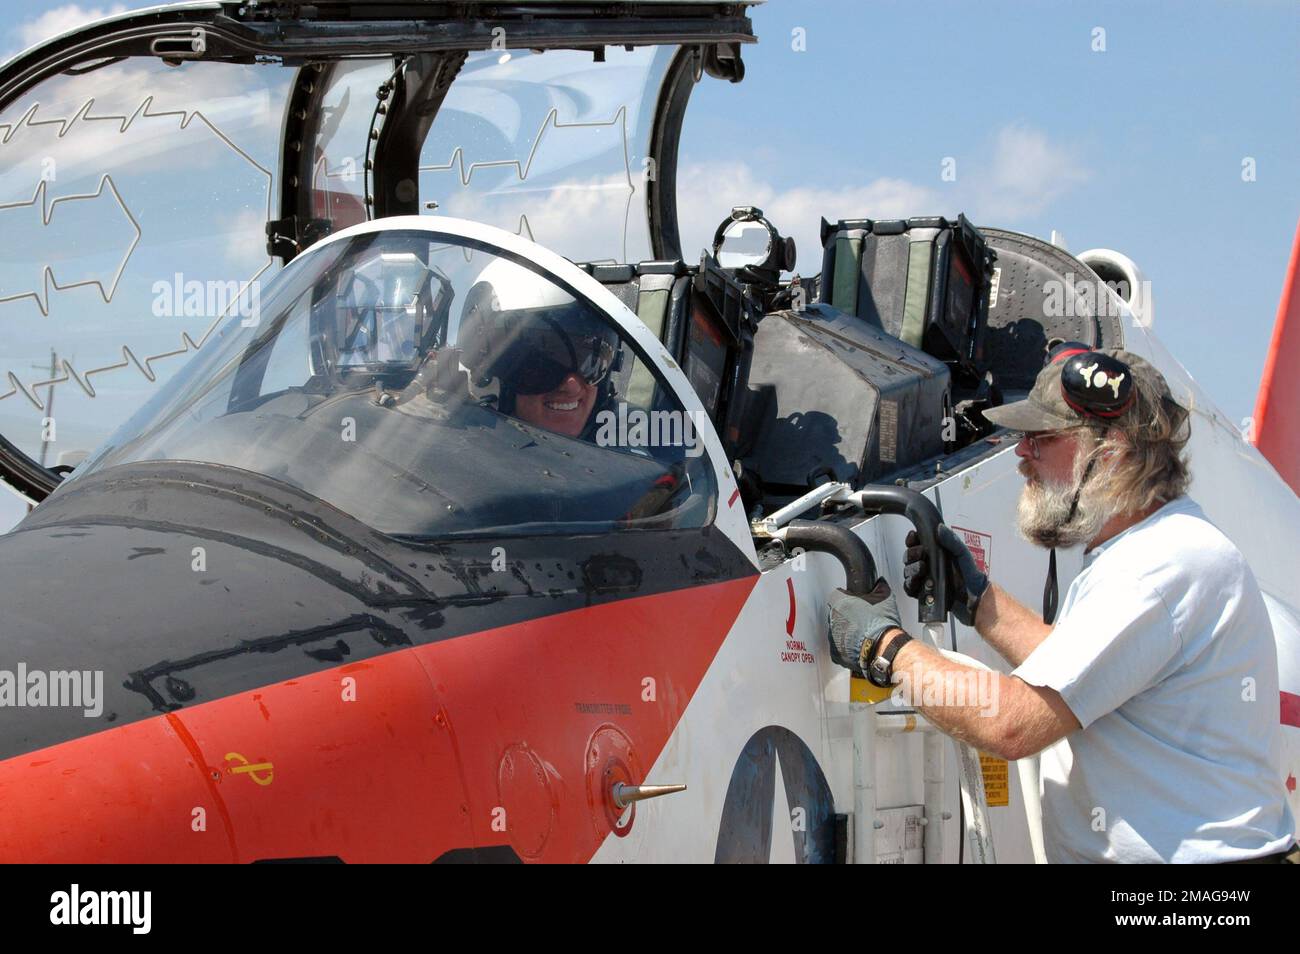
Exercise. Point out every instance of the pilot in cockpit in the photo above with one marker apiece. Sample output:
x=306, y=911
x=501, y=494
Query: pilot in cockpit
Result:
x=548, y=354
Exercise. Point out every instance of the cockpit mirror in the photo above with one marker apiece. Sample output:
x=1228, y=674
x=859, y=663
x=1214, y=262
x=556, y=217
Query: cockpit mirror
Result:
x=744, y=243
x=748, y=243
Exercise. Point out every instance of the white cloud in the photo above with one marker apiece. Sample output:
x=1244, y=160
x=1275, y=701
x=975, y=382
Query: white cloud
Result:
x=1016, y=176
x=707, y=192
x=60, y=20
x=231, y=101
x=244, y=238
x=581, y=219
x=1025, y=173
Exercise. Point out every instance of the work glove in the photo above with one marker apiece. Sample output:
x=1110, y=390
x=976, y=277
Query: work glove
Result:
x=967, y=582
x=857, y=622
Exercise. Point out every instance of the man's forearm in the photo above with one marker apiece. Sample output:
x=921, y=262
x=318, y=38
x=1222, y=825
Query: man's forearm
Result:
x=962, y=701
x=1008, y=625
x=996, y=713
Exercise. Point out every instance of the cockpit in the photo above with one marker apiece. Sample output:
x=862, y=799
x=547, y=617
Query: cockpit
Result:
x=432, y=385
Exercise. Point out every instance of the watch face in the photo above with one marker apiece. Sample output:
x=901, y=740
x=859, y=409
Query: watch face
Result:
x=879, y=669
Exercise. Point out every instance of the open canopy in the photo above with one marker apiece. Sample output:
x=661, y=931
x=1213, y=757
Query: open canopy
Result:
x=157, y=167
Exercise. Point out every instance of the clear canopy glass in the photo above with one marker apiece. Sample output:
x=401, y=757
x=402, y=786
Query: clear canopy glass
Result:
x=133, y=205
x=431, y=385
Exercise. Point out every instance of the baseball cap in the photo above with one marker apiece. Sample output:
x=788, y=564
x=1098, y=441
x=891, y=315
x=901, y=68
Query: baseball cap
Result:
x=1046, y=407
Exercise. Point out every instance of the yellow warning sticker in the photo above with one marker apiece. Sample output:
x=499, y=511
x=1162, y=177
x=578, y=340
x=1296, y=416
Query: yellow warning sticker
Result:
x=860, y=690
x=996, y=787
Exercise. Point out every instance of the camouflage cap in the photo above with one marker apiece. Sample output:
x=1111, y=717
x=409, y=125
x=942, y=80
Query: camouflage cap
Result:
x=1046, y=409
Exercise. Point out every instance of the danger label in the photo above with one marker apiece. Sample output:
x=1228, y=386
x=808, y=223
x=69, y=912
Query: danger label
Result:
x=980, y=545
x=996, y=787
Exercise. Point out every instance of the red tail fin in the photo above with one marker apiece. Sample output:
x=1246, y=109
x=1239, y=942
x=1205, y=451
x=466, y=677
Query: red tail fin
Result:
x=1277, y=410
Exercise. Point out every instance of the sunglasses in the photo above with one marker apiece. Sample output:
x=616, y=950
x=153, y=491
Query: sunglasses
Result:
x=1037, y=438
x=540, y=373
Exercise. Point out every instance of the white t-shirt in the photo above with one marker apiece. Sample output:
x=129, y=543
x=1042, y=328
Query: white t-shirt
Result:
x=1164, y=651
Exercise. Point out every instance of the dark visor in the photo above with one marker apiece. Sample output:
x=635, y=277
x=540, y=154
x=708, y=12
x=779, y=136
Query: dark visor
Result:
x=549, y=349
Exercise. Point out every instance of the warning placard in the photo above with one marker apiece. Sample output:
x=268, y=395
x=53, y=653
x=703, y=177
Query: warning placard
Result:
x=996, y=785
x=980, y=545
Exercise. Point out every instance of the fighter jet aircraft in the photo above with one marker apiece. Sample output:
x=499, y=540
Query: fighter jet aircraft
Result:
x=416, y=497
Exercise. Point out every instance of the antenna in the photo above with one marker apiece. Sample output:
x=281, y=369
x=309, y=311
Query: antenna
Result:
x=49, y=402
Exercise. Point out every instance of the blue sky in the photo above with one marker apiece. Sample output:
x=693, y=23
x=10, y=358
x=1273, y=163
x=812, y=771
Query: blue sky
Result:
x=1138, y=148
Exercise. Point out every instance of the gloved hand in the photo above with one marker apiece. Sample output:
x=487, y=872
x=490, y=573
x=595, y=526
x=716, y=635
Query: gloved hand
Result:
x=968, y=583
x=858, y=621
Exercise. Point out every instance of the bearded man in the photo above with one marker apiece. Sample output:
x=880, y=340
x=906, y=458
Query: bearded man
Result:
x=1154, y=697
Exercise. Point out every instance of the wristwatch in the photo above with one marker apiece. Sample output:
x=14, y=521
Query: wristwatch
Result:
x=880, y=668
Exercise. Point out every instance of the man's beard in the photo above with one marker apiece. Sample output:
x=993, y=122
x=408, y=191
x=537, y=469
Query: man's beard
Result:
x=1044, y=517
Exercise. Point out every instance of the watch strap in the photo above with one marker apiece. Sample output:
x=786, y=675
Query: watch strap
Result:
x=880, y=669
